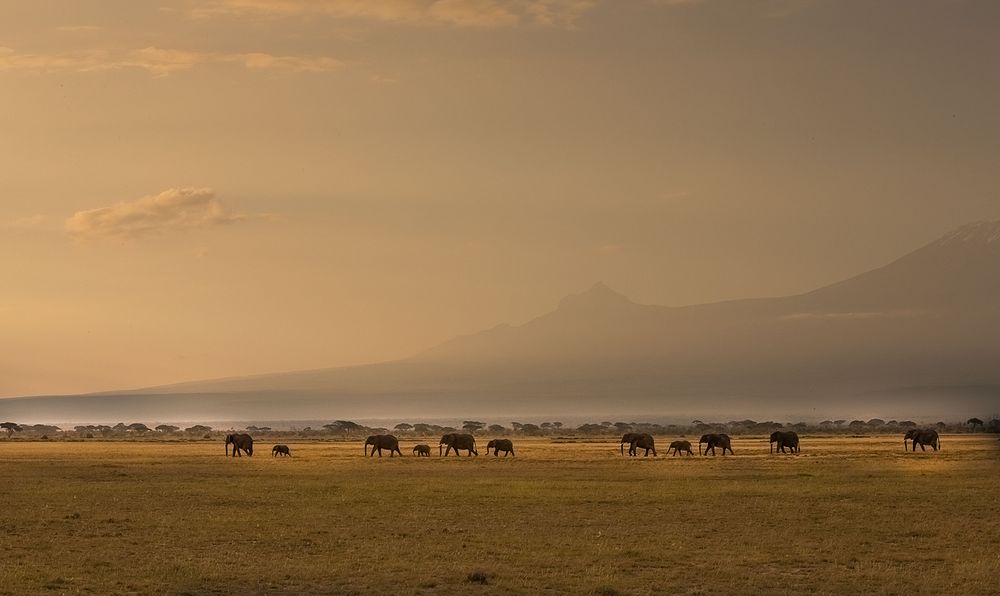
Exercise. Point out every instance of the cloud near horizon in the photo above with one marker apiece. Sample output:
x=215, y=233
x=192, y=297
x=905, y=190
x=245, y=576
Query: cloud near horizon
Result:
x=159, y=62
x=171, y=210
x=459, y=13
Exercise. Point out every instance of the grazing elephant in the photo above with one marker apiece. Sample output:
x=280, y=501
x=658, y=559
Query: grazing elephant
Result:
x=678, y=446
x=642, y=441
x=240, y=442
x=280, y=450
x=422, y=450
x=712, y=441
x=458, y=441
x=498, y=445
x=784, y=439
x=627, y=440
x=381, y=442
x=922, y=436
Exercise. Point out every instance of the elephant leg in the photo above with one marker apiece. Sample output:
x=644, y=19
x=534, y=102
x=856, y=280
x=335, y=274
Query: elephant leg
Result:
x=922, y=448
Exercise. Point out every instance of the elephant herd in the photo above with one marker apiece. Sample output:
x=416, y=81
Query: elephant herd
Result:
x=780, y=441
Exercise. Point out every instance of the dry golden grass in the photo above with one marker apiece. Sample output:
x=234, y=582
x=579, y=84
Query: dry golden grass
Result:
x=844, y=516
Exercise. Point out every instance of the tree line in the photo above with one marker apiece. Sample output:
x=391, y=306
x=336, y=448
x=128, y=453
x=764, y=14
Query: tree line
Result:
x=350, y=429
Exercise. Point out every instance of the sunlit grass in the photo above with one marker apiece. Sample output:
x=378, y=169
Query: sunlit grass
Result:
x=847, y=515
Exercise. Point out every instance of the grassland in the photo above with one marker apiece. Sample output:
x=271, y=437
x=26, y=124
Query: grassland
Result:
x=847, y=515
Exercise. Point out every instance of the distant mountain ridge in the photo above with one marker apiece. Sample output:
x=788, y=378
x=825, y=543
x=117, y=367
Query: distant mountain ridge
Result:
x=916, y=335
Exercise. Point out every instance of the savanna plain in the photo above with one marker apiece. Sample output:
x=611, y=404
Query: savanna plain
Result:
x=846, y=515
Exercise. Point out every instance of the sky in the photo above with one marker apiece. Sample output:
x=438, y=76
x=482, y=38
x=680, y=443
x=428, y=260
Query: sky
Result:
x=197, y=189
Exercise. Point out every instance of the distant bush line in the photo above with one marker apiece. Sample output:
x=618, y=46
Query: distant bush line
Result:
x=346, y=429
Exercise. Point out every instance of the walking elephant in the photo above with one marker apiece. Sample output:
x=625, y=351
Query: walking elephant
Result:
x=240, y=442
x=922, y=436
x=498, y=445
x=789, y=439
x=681, y=446
x=458, y=441
x=627, y=440
x=281, y=450
x=381, y=442
x=715, y=440
x=422, y=450
x=642, y=441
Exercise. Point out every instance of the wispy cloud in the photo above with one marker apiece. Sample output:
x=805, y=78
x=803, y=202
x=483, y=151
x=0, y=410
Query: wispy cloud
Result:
x=157, y=61
x=462, y=13
x=171, y=210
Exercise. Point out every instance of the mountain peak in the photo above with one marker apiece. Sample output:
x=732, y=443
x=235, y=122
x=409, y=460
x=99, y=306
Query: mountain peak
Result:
x=599, y=296
x=976, y=233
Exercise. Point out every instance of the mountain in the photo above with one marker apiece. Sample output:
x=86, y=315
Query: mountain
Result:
x=915, y=337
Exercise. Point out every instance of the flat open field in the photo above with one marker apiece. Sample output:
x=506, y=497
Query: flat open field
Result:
x=847, y=515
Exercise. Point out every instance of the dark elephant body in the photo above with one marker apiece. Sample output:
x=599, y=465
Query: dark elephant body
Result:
x=240, y=442
x=422, y=450
x=716, y=440
x=498, y=445
x=922, y=436
x=280, y=450
x=681, y=446
x=458, y=441
x=783, y=439
x=381, y=442
x=627, y=440
x=642, y=441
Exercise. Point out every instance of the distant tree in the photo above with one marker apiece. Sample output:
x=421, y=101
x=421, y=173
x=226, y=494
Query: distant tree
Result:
x=11, y=428
x=198, y=429
x=546, y=425
x=856, y=424
x=557, y=424
x=473, y=425
x=402, y=426
x=800, y=425
x=119, y=427
x=892, y=423
x=826, y=423
x=137, y=427
x=343, y=426
x=876, y=422
x=993, y=426
x=530, y=429
x=606, y=423
x=516, y=426
x=839, y=422
x=974, y=422
x=696, y=422
x=623, y=426
x=941, y=425
x=496, y=428
x=908, y=424
x=422, y=429
x=167, y=428
x=591, y=428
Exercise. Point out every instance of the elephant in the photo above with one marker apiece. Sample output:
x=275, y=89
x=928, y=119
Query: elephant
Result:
x=458, y=441
x=627, y=440
x=922, y=436
x=381, y=442
x=497, y=444
x=679, y=446
x=422, y=450
x=280, y=450
x=240, y=442
x=642, y=441
x=715, y=440
x=784, y=439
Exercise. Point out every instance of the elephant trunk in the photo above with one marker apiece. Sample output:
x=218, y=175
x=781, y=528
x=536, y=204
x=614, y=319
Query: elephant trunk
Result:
x=770, y=447
x=439, y=449
x=699, y=447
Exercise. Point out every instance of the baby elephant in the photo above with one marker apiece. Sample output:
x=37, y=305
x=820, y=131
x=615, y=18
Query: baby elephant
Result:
x=498, y=445
x=422, y=450
x=280, y=450
x=679, y=446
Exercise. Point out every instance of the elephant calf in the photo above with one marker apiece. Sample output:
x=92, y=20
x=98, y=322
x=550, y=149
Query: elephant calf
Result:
x=681, y=446
x=422, y=450
x=281, y=450
x=498, y=445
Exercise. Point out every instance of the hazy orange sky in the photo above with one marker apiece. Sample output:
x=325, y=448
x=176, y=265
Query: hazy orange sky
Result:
x=192, y=189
